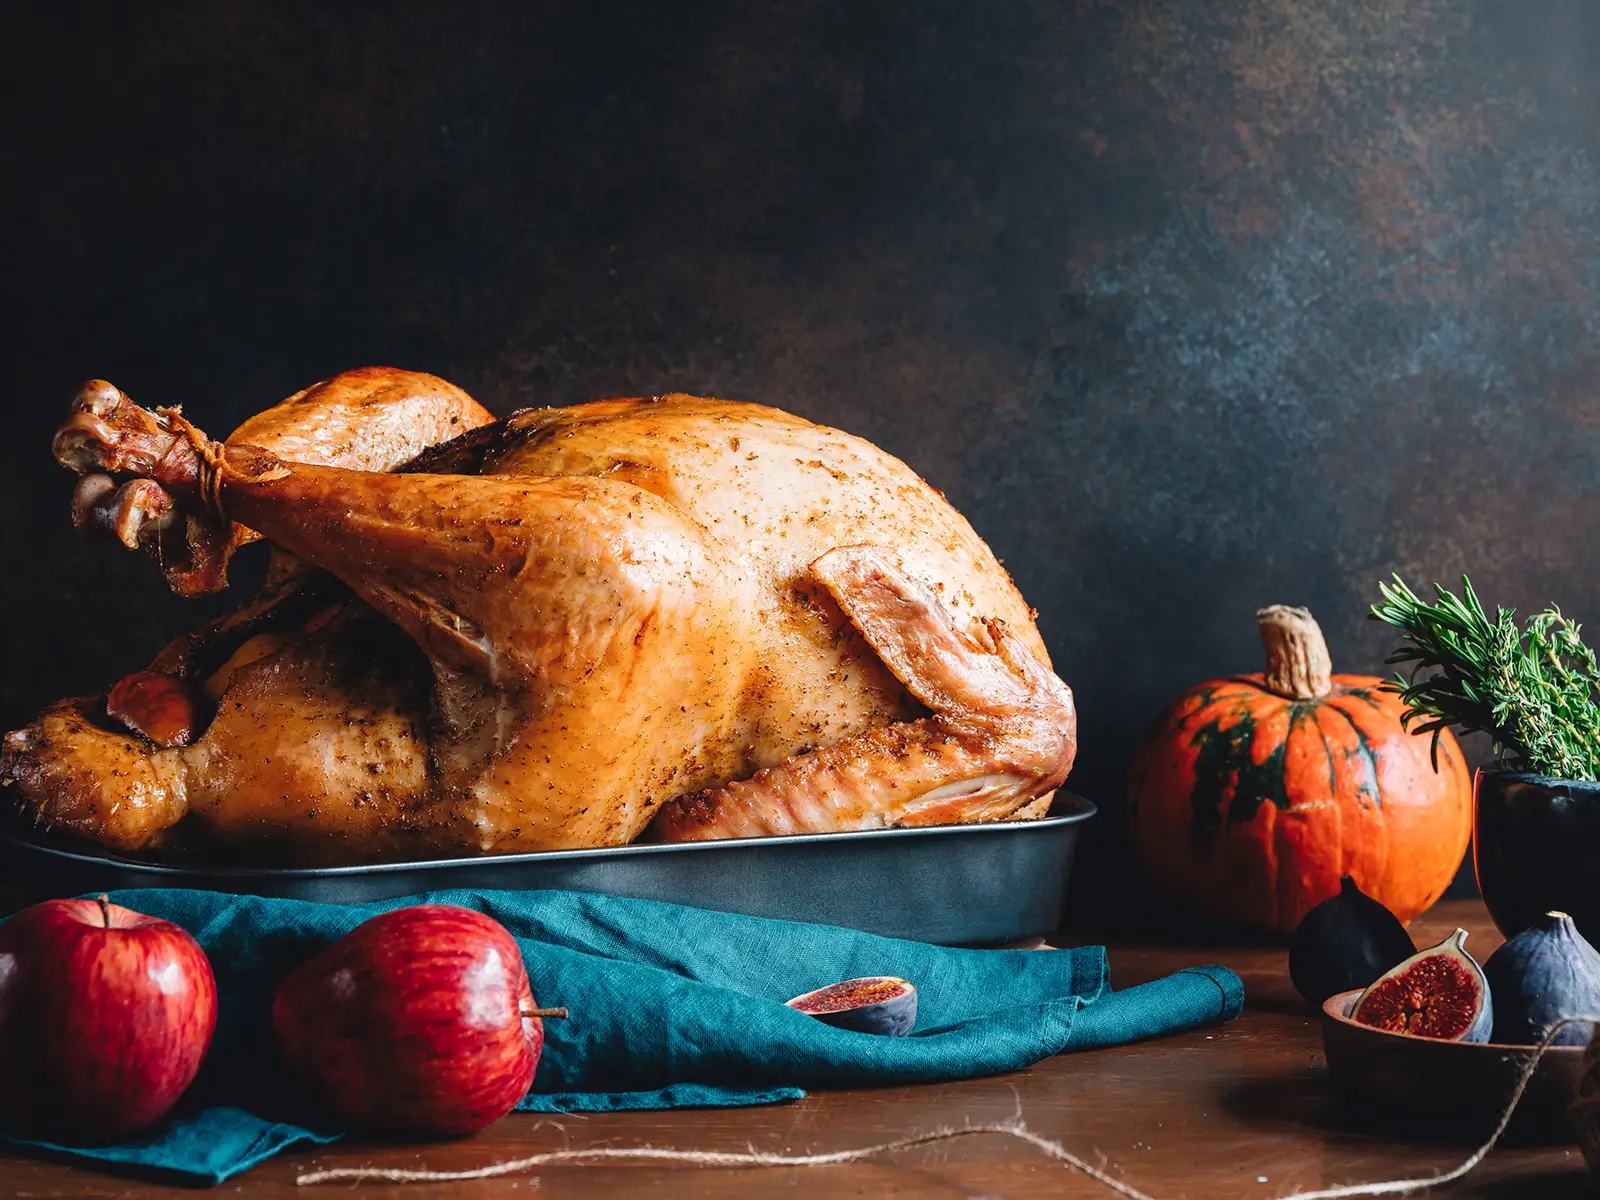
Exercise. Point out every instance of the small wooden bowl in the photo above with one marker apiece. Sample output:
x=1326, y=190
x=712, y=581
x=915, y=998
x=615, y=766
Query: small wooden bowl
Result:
x=1452, y=1089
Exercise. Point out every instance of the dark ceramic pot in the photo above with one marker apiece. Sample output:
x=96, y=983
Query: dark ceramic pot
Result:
x=1536, y=847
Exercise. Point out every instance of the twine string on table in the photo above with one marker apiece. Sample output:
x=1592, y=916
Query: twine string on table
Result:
x=1586, y=1108
x=716, y=1158
x=1402, y=1187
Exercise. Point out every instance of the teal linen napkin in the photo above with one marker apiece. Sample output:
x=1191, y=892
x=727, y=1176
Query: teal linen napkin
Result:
x=671, y=1007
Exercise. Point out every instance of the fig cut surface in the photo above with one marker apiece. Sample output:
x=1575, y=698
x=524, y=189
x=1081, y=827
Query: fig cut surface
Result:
x=1440, y=993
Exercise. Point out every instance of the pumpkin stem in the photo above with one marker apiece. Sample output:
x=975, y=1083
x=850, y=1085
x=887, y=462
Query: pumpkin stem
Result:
x=1297, y=654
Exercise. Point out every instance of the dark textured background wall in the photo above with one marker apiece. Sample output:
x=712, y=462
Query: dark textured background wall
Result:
x=1189, y=307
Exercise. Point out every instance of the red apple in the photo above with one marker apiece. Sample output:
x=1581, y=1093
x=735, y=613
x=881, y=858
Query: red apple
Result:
x=420, y=1021
x=105, y=1014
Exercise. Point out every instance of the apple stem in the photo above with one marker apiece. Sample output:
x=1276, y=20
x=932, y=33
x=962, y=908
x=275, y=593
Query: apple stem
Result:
x=544, y=1012
x=105, y=909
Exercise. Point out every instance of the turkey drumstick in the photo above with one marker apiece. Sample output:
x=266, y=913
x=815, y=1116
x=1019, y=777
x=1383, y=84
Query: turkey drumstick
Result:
x=370, y=419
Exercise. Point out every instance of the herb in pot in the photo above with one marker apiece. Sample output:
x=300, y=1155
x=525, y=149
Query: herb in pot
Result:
x=1534, y=689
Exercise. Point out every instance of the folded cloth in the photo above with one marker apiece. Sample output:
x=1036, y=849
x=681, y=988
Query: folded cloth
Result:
x=671, y=1007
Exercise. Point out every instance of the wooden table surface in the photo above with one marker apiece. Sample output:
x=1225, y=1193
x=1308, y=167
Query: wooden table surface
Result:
x=1243, y=1110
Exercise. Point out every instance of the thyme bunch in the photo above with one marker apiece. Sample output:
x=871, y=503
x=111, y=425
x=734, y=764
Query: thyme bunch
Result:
x=1535, y=690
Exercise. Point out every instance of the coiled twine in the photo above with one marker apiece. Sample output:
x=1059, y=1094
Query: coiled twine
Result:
x=1585, y=1110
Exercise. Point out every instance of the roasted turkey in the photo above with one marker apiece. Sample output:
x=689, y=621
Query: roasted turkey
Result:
x=671, y=617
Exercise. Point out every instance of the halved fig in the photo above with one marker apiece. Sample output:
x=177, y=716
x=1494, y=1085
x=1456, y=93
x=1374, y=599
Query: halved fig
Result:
x=1440, y=992
x=874, y=1004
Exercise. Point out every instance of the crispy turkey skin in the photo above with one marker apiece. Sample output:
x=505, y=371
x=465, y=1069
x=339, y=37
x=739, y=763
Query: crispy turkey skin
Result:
x=673, y=617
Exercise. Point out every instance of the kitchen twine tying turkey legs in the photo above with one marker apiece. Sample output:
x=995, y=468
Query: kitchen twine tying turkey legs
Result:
x=1585, y=1111
x=213, y=465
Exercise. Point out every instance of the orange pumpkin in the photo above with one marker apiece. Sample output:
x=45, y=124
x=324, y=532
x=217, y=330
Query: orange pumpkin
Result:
x=1253, y=795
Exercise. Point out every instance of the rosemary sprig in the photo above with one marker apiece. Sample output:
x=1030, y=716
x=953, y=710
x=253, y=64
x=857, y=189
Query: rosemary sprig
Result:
x=1535, y=691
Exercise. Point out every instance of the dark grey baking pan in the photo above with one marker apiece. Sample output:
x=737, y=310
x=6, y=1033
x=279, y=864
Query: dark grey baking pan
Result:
x=957, y=885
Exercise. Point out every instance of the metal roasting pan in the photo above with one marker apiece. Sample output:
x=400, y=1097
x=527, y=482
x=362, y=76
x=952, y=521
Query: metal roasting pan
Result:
x=955, y=885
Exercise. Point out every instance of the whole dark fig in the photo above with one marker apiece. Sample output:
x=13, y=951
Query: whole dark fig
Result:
x=876, y=1004
x=1439, y=992
x=1345, y=942
x=1546, y=973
